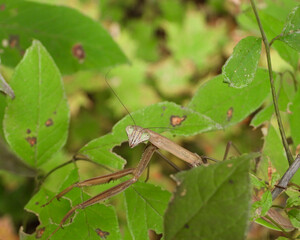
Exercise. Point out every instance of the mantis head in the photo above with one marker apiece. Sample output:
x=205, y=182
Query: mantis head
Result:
x=136, y=135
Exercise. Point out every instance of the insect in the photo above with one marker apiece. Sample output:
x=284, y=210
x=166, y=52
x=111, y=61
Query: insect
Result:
x=136, y=135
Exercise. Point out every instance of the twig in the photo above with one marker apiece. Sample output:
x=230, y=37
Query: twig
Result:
x=267, y=48
x=286, y=177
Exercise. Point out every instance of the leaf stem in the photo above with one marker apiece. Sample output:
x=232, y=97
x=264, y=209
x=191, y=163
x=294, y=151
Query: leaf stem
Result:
x=283, y=34
x=267, y=48
x=275, y=38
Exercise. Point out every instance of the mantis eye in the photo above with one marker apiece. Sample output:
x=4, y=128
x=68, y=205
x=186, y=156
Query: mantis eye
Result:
x=129, y=130
x=144, y=137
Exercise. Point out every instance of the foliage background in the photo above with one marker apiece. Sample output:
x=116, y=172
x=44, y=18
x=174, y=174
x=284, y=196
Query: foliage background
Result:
x=172, y=51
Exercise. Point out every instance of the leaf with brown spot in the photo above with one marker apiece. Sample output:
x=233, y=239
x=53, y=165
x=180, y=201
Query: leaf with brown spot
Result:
x=2, y=7
x=14, y=41
x=102, y=234
x=39, y=232
x=176, y=120
x=84, y=223
x=229, y=113
x=49, y=122
x=78, y=52
x=31, y=141
x=29, y=112
x=48, y=23
x=148, y=117
x=244, y=101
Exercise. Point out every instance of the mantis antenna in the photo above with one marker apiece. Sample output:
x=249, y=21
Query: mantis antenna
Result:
x=118, y=98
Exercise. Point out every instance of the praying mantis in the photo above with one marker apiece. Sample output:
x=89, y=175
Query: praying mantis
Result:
x=136, y=135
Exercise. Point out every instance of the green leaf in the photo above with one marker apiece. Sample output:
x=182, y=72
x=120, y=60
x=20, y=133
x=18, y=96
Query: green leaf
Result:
x=267, y=224
x=262, y=116
x=158, y=118
x=228, y=106
x=294, y=116
x=294, y=216
x=266, y=113
x=266, y=202
x=36, y=121
x=84, y=223
x=291, y=31
x=75, y=41
x=257, y=182
x=279, y=9
x=272, y=18
x=293, y=201
x=240, y=68
x=273, y=151
x=211, y=202
x=273, y=26
x=287, y=53
x=4, y=87
x=2, y=110
x=145, y=207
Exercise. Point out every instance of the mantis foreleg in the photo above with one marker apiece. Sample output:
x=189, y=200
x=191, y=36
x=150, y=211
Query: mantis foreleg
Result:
x=137, y=172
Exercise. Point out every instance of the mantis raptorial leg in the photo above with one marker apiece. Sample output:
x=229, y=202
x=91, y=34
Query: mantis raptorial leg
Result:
x=136, y=172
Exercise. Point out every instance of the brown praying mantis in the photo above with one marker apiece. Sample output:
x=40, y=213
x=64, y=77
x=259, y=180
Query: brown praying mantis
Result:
x=136, y=135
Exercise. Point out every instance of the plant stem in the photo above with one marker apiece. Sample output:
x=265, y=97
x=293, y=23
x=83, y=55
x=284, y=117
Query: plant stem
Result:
x=267, y=48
